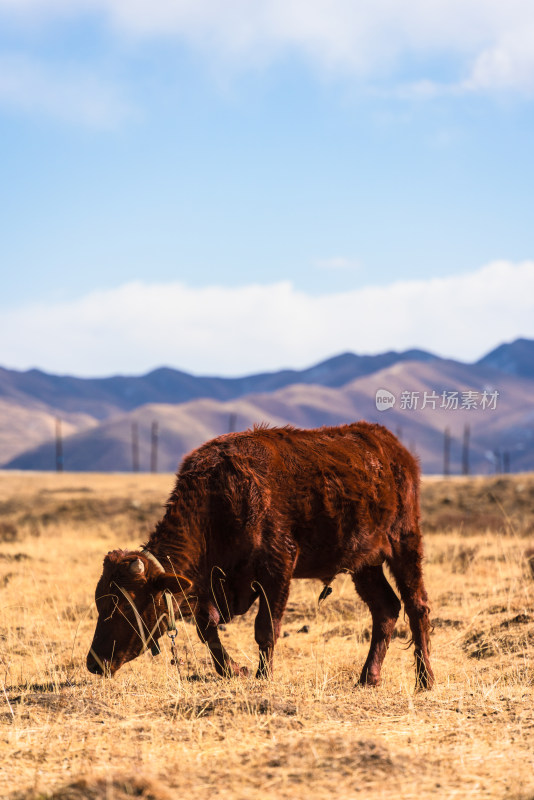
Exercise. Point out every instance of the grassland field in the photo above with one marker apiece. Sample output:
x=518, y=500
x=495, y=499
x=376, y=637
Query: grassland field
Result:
x=156, y=731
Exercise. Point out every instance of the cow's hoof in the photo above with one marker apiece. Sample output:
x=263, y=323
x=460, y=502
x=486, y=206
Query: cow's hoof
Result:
x=369, y=679
x=263, y=674
x=235, y=671
x=424, y=677
x=424, y=682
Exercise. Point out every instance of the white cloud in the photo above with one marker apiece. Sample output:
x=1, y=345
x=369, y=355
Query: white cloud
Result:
x=508, y=64
x=232, y=331
x=69, y=93
x=490, y=41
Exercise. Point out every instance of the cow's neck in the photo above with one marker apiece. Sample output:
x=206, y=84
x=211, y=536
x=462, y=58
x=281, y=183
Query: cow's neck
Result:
x=172, y=544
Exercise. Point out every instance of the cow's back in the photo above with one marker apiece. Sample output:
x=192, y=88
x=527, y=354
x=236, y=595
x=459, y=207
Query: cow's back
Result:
x=336, y=495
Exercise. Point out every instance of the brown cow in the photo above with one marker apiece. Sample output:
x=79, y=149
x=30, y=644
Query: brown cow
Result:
x=249, y=512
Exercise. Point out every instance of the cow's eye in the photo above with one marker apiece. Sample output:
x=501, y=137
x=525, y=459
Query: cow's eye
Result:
x=114, y=600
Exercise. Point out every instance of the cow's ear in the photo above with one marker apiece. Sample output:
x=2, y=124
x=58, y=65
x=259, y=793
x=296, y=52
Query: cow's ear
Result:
x=172, y=583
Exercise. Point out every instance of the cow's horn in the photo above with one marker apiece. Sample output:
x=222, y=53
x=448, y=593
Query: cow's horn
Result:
x=137, y=567
x=154, y=560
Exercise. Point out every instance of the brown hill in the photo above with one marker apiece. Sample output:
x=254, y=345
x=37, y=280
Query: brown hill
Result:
x=24, y=427
x=32, y=399
x=506, y=429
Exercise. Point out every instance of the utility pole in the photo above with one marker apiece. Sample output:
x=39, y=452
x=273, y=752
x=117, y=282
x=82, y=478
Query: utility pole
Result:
x=135, y=447
x=59, y=446
x=465, y=450
x=232, y=422
x=447, y=452
x=154, y=448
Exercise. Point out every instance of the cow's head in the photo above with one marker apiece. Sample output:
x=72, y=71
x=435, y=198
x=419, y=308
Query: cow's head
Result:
x=131, y=608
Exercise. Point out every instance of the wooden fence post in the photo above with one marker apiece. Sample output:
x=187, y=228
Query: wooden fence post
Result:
x=154, y=448
x=59, y=446
x=135, y=447
x=447, y=452
x=465, y=450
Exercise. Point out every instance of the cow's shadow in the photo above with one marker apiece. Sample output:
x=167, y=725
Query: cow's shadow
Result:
x=26, y=689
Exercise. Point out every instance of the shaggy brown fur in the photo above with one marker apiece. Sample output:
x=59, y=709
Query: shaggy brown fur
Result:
x=249, y=512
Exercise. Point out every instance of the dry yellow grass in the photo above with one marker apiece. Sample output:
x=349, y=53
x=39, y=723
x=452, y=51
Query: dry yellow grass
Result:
x=152, y=733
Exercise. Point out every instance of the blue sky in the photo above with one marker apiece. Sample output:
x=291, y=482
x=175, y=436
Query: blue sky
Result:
x=232, y=187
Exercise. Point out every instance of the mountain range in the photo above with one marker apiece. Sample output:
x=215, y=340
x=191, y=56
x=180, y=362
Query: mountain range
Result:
x=97, y=415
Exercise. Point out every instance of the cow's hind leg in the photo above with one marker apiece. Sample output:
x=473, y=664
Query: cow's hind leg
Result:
x=374, y=589
x=209, y=634
x=273, y=594
x=406, y=566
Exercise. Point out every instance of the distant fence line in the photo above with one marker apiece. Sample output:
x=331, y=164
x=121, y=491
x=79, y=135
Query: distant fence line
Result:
x=501, y=459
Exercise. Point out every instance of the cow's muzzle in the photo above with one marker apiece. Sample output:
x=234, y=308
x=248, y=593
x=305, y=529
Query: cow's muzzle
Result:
x=97, y=666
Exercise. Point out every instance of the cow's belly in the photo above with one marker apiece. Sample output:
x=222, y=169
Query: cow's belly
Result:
x=326, y=550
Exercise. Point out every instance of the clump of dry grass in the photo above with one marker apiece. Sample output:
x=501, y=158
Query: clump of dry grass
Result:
x=468, y=505
x=105, y=788
x=154, y=731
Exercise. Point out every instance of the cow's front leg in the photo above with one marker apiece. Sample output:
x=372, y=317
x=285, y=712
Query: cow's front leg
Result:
x=209, y=634
x=273, y=599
